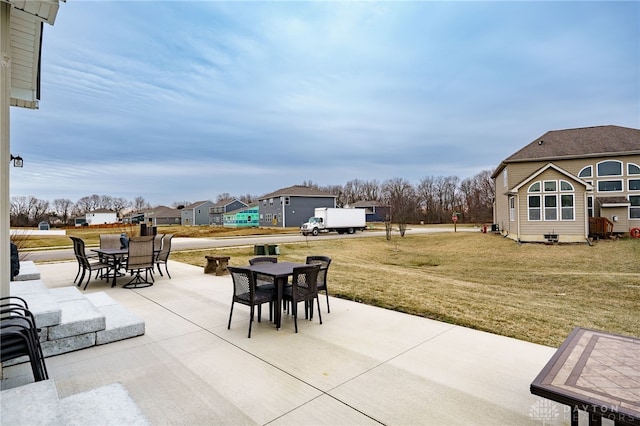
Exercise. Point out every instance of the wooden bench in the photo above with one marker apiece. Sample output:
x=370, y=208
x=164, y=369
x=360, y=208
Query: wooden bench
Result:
x=217, y=265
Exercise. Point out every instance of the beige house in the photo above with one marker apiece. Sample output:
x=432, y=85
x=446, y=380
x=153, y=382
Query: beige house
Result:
x=566, y=181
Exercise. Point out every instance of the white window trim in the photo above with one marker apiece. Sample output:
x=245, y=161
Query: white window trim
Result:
x=583, y=169
x=610, y=180
x=545, y=208
x=629, y=169
x=512, y=209
x=632, y=207
x=573, y=207
x=539, y=209
x=609, y=161
x=629, y=184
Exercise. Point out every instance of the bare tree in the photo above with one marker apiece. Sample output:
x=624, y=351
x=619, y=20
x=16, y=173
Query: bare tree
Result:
x=19, y=211
x=139, y=203
x=224, y=196
x=105, y=202
x=371, y=191
x=180, y=204
x=63, y=208
x=401, y=197
x=477, y=197
x=119, y=205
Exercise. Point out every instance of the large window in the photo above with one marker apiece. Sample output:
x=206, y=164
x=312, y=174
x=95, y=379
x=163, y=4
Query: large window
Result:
x=606, y=169
x=633, y=170
x=558, y=200
x=534, y=207
x=610, y=168
x=634, y=209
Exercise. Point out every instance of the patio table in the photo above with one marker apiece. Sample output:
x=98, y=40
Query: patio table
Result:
x=280, y=271
x=118, y=256
x=596, y=372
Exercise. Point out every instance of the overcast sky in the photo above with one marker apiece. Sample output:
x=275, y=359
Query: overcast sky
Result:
x=182, y=101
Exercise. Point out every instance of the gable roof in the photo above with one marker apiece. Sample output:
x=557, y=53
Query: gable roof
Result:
x=556, y=168
x=372, y=203
x=196, y=204
x=298, y=191
x=226, y=202
x=598, y=141
x=163, y=211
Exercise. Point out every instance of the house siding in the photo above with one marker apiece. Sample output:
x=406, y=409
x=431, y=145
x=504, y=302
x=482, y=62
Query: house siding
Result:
x=567, y=230
x=517, y=172
x=299, y=209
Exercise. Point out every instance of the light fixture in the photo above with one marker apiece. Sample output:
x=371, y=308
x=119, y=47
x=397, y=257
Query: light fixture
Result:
x=17, y=161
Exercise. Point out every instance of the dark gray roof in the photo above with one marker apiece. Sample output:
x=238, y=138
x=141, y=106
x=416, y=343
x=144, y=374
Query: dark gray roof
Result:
x=163, y=211
x=584, y=142
x=598, y=141
x=361, y=204
x=613, y=200
x=196, y=204
x=298, y=191
x=223, y=203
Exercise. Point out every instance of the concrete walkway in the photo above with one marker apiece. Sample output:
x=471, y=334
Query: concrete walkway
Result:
x=363, y=365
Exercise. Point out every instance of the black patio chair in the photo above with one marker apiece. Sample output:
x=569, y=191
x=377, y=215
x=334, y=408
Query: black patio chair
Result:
x=324, y=262
x=304, y=288
x=88, y=264
x=247, y=293
x=19, y=335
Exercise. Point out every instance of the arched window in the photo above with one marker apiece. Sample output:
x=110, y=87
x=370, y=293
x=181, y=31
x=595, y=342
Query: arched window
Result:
x=609, y=168
x=586, y=172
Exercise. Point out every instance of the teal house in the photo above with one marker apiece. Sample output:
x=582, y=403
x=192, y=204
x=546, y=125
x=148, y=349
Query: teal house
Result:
x=247, y=217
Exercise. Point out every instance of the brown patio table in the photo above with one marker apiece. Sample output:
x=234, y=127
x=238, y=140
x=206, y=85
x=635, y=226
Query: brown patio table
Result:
x=280, y=271
x=596, y=372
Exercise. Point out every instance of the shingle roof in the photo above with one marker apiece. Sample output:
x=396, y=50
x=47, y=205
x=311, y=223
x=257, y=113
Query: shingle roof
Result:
x=299, y=191
x=584, y=142
x=598, y=141
x=163, y=211
x=196, y=204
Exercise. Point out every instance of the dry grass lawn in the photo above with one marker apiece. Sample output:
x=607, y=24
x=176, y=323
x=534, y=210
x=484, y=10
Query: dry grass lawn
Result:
x=533, y=292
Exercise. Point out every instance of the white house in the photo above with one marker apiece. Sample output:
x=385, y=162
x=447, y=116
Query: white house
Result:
x=100, y=217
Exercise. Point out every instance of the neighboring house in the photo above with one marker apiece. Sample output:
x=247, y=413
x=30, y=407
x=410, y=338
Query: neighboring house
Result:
x=162, y=215
x=218, y=210
x=196, y=213
x=376, y=211
x=246, y=217
x=292, y=206
x=551, y=188
x=100, y=217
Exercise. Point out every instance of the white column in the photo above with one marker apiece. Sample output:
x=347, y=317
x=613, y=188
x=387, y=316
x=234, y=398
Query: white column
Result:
x=5, y=149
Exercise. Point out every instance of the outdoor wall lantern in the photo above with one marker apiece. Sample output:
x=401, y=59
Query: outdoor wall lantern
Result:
x=17, y=161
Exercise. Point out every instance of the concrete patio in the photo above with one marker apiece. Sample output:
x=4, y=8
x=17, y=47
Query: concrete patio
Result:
x=363, y=365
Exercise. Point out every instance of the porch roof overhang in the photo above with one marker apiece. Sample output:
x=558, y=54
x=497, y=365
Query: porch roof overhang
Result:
x=27, y=18
x=613, y=202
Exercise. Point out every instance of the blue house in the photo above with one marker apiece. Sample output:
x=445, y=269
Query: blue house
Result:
x=292, y=206
x=246, y=217
x=219, y=209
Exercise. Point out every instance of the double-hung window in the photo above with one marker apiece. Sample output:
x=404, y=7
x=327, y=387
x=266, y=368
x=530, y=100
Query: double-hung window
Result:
x=556, y=201
x=633, y=171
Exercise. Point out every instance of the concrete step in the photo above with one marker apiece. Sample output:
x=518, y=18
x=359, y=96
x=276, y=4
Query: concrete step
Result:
x=38, y=403
x=28, y=271
x=70, y=320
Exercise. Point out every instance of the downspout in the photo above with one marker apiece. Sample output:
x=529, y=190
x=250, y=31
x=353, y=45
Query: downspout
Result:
x=5, y=150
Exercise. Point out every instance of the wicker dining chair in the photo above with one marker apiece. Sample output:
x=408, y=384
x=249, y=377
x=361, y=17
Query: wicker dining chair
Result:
x=304, y=288
x=324, y=262
x=265, y=282
x=247, y=293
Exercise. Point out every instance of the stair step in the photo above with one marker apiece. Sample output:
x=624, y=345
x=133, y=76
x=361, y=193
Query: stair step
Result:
x=42, y=303
x=120, y=323
x=106, y=405
x=32, y=404
x=38, y=403
x=28, y=271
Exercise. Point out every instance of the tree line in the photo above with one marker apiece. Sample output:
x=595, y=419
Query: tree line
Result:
x=434, y=199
